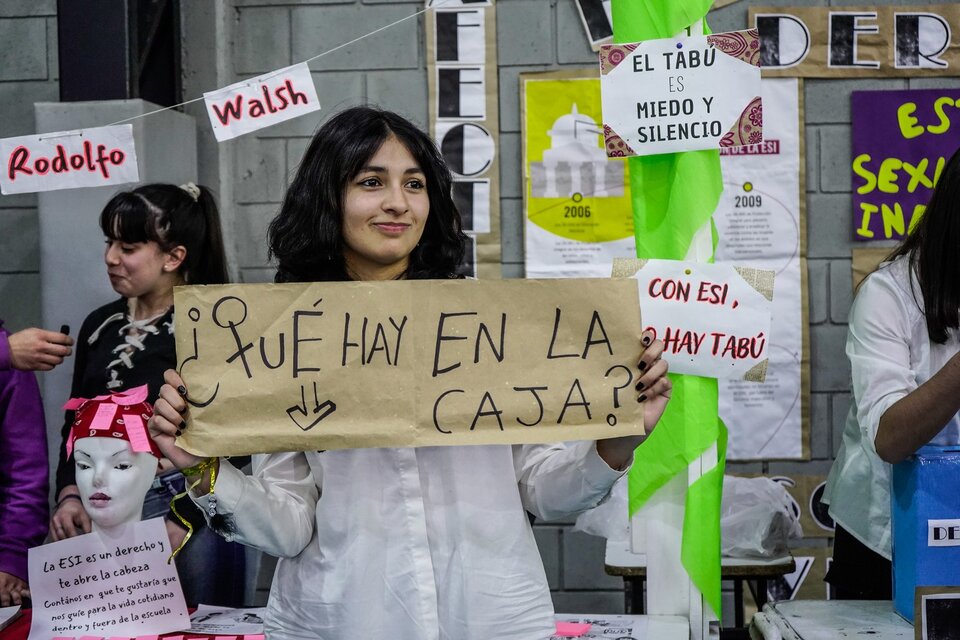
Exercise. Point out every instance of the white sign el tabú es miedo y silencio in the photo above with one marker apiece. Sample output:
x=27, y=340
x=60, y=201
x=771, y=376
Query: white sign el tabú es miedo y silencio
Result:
x=681, y=94
x=261, y=102
x=713, y=319
x=68, y=160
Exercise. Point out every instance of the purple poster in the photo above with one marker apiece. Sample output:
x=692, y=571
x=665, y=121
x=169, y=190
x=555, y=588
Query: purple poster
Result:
x=900, y=142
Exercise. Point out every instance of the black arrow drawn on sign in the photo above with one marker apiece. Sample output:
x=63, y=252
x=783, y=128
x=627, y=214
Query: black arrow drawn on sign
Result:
x=320, y=410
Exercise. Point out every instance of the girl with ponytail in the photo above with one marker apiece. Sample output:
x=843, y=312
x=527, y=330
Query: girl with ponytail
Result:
x=158, y=236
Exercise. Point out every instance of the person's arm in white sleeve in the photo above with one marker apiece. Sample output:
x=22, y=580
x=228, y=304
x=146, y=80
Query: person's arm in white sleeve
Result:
x=563, y=479
x=896, y=416
x=272, y=510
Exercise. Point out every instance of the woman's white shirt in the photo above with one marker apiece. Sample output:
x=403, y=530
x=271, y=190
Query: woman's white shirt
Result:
x=890, y=355
x=422, y=544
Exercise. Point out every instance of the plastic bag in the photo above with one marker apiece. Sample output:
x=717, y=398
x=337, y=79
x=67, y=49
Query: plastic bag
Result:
x=608, y=519
x=758, y=518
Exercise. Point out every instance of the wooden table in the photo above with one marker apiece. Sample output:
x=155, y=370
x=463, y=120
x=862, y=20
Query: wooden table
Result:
x=632, y=567
x=830, y=619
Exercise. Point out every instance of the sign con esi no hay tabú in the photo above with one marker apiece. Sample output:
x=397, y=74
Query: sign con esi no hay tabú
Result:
x=261, y=102
x=713, y=319
x=681, y=94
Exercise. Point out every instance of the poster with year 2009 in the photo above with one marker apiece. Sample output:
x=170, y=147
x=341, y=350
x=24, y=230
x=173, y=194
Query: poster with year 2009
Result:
x=759, y=221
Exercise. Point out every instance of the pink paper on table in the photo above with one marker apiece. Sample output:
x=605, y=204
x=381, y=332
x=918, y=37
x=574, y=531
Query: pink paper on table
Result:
x=104, y=416
x=254, y=636
x=572, y=629
x=139, y=441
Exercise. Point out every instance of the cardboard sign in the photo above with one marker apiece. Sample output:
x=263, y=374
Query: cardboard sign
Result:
x=261, y=102
x=858, y=41
x=713, y=319
x=681, y=94
x=337, y=365
x=901, y=141
x=99, y=585
x=69, y=160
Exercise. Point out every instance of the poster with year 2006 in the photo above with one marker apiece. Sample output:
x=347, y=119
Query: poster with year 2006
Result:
x=577, y=206
x=759, y=223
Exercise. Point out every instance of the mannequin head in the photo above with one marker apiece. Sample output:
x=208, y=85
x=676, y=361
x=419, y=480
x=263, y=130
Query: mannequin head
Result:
x=112, y=479
x=115, y=458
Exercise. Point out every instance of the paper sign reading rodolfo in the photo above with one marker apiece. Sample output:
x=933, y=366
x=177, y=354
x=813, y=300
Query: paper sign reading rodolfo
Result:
x=261, y=102
x=664, y=96
x=68, y=160
x=338, y=365
x=713, y=319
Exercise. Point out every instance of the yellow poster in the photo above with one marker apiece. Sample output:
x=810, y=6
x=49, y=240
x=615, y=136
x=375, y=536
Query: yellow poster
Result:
x=576, y=200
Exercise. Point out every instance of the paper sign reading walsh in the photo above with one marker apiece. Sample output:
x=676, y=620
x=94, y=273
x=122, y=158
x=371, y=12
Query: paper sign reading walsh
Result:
x=714, y=319
x=101, y=584
x=68, y=160
x=299, y=367
x=261, y=102
x=681, y=94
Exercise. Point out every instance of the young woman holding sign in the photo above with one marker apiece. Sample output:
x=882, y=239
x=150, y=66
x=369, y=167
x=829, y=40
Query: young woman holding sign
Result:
x=904, y=350
x=157, y=236
x=430, y=542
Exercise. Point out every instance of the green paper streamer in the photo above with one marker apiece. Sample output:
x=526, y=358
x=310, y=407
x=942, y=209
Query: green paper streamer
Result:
x=674, y=195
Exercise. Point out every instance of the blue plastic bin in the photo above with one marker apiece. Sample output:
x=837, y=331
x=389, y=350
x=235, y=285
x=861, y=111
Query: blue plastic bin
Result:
x=926, y=523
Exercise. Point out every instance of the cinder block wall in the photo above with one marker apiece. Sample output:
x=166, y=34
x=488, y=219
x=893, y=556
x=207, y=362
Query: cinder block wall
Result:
x=29, y=73
x=390, y=69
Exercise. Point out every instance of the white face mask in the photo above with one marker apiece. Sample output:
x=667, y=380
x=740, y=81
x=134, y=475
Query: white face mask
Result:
x=112, y=479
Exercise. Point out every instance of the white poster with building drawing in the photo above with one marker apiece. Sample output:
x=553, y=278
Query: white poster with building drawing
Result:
x=759, y=223
x=576, y=200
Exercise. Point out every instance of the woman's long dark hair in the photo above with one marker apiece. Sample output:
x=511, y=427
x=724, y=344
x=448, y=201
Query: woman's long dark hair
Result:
x=933, y=249
x=170, y=216
x=306, y=237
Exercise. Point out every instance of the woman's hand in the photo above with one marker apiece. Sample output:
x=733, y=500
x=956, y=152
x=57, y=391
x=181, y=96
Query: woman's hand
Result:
x=654, y=387
x=69, y=518
x=170, y=413
x=653, y=390
x=13, y=590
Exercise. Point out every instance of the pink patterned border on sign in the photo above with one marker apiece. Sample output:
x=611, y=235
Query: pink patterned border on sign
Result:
x=613, y=54
x=748, y=129
x=615, y=146
x=743, y=45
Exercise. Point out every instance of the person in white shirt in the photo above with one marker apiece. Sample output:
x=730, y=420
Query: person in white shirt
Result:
x=421, y=543
x=903, y=349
